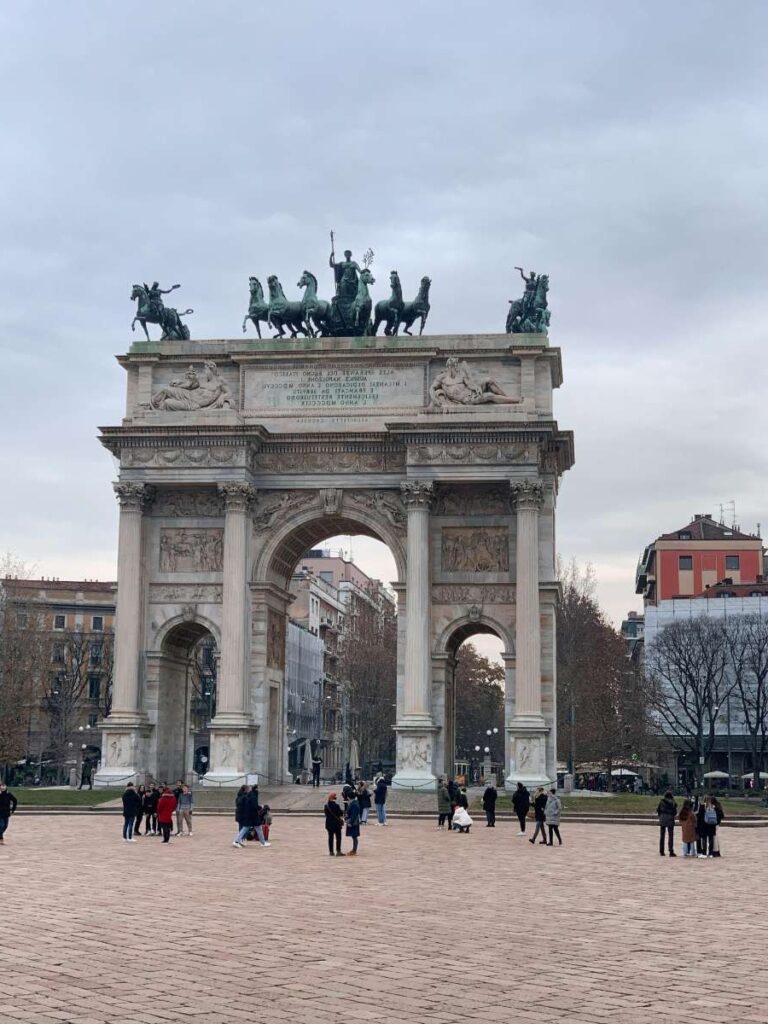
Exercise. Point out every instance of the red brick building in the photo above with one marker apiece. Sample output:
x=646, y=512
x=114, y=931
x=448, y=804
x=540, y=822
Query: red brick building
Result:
x=688, y=561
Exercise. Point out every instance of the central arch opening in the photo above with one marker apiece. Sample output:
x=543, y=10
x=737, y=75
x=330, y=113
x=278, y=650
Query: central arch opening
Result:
x=340, y=664
x=476, y=704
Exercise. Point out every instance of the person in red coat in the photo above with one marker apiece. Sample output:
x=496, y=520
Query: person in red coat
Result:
x=166, y=805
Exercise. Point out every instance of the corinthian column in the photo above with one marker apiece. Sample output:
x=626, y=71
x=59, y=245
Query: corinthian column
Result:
x=230, y=693
x=125, y=696
x=415, y=729
x=527, y=730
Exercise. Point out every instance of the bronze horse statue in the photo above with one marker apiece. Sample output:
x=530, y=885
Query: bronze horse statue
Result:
x=283, y=313
x=152, y=311
x=389, y=310
x=258, y=309
x=411, y=311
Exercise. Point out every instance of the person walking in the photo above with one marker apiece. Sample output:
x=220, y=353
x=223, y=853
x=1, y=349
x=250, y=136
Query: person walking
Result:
x=241, y=815
x=334, y=819
x=711, y=822
x=715, y=837
x=255, y=815
x=8, y=804
x=688, y=825
x=177, y=790
x=364, y=799
x=140, y=793
x=266, y=821
x=184, y=807
x=667, y=813
x=166, y=805
x=352, y=816
x=521, y=803
x=540, y=816
x=380, y=800
x=490, y=797
x=552, y=810
x=317, y=762
x=131, y=809
x=444, y=813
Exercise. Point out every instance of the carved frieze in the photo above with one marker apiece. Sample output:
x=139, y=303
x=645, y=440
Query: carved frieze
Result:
x=188, y=503
x=473, y=501
x=275, y=640
x=328, y=461
x=415, y=753
x=205, y=593
x=475, y=453
x=194, y=391
x=269, y=505
x=205, y=456
x=485, y=593
x=389, y=504
x=459, y=385
x=475, y=549
x=190, y=550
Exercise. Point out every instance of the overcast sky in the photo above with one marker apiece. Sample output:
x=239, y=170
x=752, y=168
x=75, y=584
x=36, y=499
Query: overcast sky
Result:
x=620, y=148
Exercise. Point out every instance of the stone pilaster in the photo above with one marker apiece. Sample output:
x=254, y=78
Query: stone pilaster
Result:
x=527, y=730
x=232, y=728
x=415, y=727
x=123, y=730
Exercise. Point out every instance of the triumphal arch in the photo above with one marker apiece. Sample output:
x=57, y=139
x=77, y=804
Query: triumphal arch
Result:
x=236, y=456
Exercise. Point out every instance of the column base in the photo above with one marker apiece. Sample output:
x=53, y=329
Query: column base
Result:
x=231, y=751
x=415, y=752
x=122, y=750
x=528, y=757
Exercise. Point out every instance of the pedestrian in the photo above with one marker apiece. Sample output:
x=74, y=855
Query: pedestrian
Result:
x=166, y=805
x=521, y=803
x=86, y=775
x=255, y=815
x=364, y=799
x=444, y=813
x=711, y=822
x=266, y=821
x=461, y=820
x=334, y=819
x=352, y=817
x=317, y=762
x=667, y=812
x=241, y=815
x=131, y=808
x=151, y=798
x=347, y=794
x=490, y=797
x=380, y=800
x=140, y=793
x=8, y=804
x=539, y=815
x=700, y=807
x=462, y=800
x=688, y=825
x=178, y=789
x=715, y=837
x=184, y=807
x=552, y=810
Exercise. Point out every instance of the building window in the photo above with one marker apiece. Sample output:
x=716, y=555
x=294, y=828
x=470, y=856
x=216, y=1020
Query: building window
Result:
x=58, y=653
x=21, y=620
x=94, y=686
x=95, y=654
x=685, y=562
x=59, y=621
x=97, y=623
x=326, y=576
x=92, y=720
x=685, y=535
x=732, y=562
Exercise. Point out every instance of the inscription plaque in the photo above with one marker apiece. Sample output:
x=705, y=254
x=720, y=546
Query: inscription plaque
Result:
x=334, y=386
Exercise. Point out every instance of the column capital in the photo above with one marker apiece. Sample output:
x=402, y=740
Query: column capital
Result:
x=527, y=495
x=417, y=494
x=133, y=497
x=238, y=496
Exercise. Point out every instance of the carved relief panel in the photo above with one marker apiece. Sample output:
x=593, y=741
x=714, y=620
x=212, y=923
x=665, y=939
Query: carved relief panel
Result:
x=191, y=550
x=475, y=549
x=275, y=640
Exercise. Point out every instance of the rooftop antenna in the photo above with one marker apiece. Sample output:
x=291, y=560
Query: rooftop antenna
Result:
x=728, y=506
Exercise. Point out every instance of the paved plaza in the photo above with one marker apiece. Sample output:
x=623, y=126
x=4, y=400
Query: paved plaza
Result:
x=423, y=926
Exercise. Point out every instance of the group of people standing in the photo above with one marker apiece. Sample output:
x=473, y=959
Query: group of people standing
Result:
x=699, y=819
x=253, y=818
x=544, y=809
x=155, y=806
x=354, y=814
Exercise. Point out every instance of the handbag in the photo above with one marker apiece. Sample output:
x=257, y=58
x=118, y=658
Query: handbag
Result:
x=531, y=815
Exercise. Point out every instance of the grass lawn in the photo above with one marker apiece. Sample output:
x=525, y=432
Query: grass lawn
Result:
x=64, y=797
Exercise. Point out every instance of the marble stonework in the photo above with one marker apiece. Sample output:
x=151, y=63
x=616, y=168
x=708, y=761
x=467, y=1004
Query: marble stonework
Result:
x=317, y=437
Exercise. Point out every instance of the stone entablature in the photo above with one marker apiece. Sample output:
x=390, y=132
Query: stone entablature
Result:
x=444, y=448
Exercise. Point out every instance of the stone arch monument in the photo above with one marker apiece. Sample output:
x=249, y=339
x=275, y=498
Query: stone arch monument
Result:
x=238, y=456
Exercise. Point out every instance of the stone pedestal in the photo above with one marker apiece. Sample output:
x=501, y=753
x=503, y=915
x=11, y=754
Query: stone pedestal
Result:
x=415, y=729
x=527, y=730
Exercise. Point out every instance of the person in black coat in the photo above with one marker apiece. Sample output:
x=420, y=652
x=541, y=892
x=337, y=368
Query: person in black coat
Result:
x=8, y=804
x=540, y=816
x=364, y=799
x=352, y=817
x=241, y=815
x=334, y=819
x=521, y=804
x=131, y=810
x=254, y=815
x=380, y=800
x=489, y=805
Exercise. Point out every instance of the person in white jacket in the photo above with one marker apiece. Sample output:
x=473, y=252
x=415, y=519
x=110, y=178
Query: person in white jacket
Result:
x=461, y=820
x=552, y=815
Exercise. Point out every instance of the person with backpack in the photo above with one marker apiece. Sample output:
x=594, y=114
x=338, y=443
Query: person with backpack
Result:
x=711, y=821
x=667, y=814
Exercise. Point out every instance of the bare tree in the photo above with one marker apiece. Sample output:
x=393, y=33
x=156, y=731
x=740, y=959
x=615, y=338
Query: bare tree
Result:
x=747, y=640
x=479, y=703
x=688, y=667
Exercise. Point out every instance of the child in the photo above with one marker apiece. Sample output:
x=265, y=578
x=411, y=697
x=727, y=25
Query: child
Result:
x=461, y=819
x=266, y=821
x=688, y=823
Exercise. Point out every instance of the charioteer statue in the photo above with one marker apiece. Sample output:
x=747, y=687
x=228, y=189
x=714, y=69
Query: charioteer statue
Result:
x=152, y=310
x=530, y=315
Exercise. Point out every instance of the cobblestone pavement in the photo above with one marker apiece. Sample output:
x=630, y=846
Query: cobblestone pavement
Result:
x=423, y=926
